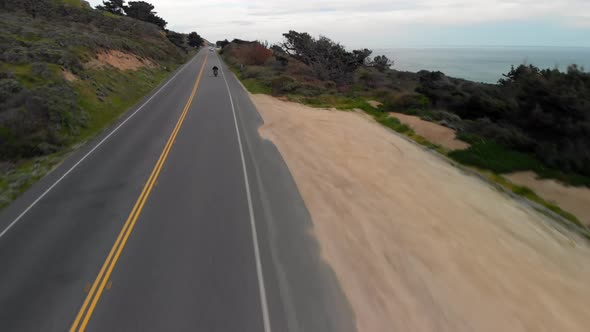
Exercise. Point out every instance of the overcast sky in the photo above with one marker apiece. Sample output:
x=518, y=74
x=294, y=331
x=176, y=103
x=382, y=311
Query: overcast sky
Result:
x=387, y=23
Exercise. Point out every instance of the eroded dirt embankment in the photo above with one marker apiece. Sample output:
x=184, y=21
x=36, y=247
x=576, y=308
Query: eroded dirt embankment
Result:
x=119, y=60
x=416, y=244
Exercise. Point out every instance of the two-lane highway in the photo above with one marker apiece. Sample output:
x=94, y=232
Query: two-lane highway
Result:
x=178, y=218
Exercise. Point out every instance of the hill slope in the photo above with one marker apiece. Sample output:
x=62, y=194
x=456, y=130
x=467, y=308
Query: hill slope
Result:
x=66, y=71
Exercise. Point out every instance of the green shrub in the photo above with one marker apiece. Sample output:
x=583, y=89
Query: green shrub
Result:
x=310, y=90
x=40, y=69
x=492, y=156
x=257, y=86
x=505, y=134
x=395, y=124
x=382, y=63
x=8, y=88
x=495, y=157
x=283, y=85
x=255, y=72
x=47, y=114
x=406, y=102
x=522, y=191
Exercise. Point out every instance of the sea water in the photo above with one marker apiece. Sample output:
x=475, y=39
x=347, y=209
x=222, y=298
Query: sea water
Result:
x=484, y=64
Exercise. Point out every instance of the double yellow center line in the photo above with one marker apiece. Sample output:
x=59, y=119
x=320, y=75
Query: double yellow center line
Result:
x=104, y=275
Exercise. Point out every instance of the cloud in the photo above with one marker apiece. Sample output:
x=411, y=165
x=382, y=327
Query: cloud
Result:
x=242, y=22
x=372, y=22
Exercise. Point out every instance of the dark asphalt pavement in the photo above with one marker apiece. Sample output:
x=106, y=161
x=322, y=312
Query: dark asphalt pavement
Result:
x=157, y=227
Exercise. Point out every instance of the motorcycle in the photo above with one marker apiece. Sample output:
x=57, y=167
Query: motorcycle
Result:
x=215, y=71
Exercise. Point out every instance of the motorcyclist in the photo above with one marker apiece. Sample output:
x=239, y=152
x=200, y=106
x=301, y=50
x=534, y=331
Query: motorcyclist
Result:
x=215, y=70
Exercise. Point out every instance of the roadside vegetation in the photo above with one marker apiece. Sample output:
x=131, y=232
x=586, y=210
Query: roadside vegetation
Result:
x=533, y=119
x=56, y=92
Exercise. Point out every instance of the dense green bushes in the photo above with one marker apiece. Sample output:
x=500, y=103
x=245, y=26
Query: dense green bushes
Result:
x=542, y=113
x=37, y=120
x=404, y=102
x=382, y=63
x=495, y=157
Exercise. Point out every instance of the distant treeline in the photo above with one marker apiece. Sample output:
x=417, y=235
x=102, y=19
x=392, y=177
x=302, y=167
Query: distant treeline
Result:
x=139, y=10
x=144, y=11
x=533, y=119
x=327, y=60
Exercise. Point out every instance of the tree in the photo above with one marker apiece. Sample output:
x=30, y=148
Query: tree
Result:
x=328, y=59
x=33, y=7
x=177, y=39
x=143, y=11
x=279, y=55
x=382, y=63
x=222, y=43
x=517, y=73
x=116, y=7
x=194, y=39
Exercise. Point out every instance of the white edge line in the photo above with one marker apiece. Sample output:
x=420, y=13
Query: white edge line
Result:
x=261, y=287
x=89, y=153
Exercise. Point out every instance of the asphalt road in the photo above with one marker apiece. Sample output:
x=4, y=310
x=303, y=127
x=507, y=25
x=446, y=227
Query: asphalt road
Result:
x=177, y=218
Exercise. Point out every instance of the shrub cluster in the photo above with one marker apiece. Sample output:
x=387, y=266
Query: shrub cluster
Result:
x=248, y=53
x=38, y=120
x=545, y=113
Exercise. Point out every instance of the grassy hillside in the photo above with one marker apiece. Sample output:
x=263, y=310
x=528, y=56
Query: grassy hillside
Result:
x=55, y=93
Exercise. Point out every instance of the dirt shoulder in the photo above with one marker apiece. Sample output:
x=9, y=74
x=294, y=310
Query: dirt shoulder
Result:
x=416, y=244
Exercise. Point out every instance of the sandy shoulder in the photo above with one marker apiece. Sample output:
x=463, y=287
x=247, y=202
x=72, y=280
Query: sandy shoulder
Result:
x=416, y=244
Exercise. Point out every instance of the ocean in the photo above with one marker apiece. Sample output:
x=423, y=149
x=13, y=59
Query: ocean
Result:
x=484, y=64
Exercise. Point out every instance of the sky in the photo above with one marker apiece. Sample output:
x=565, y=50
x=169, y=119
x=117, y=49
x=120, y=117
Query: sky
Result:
x=387, y=23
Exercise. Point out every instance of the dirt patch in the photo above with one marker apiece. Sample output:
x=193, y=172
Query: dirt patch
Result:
x=374, y=103
x=575, y=200
x=68, y=75
x=416, y=244
x=119, y=60
x=433, y=132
